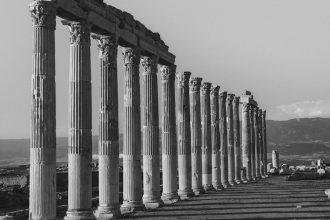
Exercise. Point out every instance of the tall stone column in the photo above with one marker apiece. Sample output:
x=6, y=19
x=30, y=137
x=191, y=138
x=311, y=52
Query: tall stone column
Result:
x=237, y=141
x=261, y=146
x=80, y=123
x=206, y=136
x=275, y=159
x=196, y=135
x=216, y=173
x=108, y=129
x=43, y=113
x=246, y=138
x=132, y=173
x=150, y=132
x=264, y=140
x=252, y=145
x=169, y=150
x=230, y=138
x=257, y=143
x=183, y=131
x=223, y=140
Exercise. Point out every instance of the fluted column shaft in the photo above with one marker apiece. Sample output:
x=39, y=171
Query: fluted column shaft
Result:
x=132, y=173
x=257, y=142
x=253, y=151
x=150, y=132
x=169, y=147
x=246, y=142
x=223, y=140
x=216, y=173
x=183, y=135
x=264, y=140
x=196, y=135
x=261, y=146
x=237, y=141
x=80, y=123
x=108, y=129
x=230, y=139
x=42, y=197
x=206, y=136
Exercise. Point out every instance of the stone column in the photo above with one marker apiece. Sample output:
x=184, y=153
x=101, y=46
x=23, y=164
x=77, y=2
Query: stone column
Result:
x=264, y=140
x=252, y=144
x=43, y=113
x=246, y=139
x=108, y=129
x=80, y=123
x=196, y=135
x=261, y=146
x=275, y=159
x=169, y=150
x=183, y=130
x=216, y=174
x=206, y=136
x=223, y=140
x=230, y=139
x=132, y=175
x=150, y=132
x=257, y=143
x=237, y=141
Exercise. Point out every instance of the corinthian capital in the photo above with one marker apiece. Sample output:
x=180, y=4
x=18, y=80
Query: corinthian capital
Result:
x=223, y=96
x=183, y=78
x=246, y=107
x=230, y=98
x=206, y=87
x=215, y=90
x=107, y=46
x=195, y=84
x=149, y=64
x=236, y=100
x=131, y=55
x=43, y=14
x=79, y=32
x=167, y=72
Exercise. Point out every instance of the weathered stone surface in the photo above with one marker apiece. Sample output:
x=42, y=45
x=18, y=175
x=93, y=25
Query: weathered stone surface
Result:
x=257, y=142
x=275, y=159
x=196, y=133
x=264, y=140
x=43, y=115
x=184, y=137
x=237, y=141
x=132, y=173
x=246, y=139
x=108, y=129
x=252, y=144
x=230, y=139
x=206, y=136
x=223, y=139
x=150, y=132
x=169, y=146
x=80, y=123
x=215, y=137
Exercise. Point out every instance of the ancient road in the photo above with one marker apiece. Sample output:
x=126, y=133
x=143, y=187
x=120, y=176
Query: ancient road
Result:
x=272, y=198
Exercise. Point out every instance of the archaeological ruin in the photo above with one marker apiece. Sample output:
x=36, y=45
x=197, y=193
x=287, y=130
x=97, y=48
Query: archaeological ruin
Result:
x=204, y=146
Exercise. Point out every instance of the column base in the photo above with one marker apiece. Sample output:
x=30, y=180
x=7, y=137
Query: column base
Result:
x=106, y=212
x=225, y=185
x=185, y=194
x=208, y=187
x=170, y=198
x=232, y=183
x=132, y=206
x=79, y=215
x=217, y=187
x=150, y=202
x=12, y=218
x=198, y=191
x=238, y=182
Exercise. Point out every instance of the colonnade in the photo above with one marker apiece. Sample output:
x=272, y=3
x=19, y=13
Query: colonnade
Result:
x=200, y=131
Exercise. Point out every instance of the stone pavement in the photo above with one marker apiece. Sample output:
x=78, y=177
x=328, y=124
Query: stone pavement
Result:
x=272, y=198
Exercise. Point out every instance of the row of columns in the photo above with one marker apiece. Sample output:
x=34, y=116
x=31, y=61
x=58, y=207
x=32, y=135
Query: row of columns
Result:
x=200, y=129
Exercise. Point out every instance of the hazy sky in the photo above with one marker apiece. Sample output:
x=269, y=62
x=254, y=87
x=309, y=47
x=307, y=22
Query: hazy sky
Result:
x=278, y=49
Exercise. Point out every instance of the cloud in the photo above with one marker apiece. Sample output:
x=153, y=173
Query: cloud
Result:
x=305, y=109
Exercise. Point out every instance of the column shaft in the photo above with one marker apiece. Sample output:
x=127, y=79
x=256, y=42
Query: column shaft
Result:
x=196, y=133
x=237, y=141
x=223, y=140
x=132, y=173
x=264, y=140
x=169, y=147
x=206, y=136
x=80, y=123
x=42, y=197
x=230, y=139
x=150, y=132
x=183, y=131
x=246, y=141
x=215, y=136
x=108, y=129
x=261, y=144
x=257, y=142
x=252, y=145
